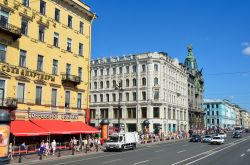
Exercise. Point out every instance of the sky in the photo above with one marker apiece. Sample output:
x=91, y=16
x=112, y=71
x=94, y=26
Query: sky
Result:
x=219, y=31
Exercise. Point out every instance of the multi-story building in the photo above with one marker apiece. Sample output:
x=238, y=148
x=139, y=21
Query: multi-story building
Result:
x=244, y=115
x=45, y=57
x=153, y=88
x=219, y=114
x=195, y=92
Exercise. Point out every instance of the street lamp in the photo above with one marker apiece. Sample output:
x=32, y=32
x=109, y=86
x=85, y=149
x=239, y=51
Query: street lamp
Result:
x=120, y=90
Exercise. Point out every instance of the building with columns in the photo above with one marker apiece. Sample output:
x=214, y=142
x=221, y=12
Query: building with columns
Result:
x=153, y=89
x=195, y=92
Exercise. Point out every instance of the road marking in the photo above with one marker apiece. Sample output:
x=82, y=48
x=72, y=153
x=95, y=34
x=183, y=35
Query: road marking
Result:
x=248, y=150
x=180, y=151
x=141, y=162
x=159, y=150
x=211, y=154
x=111, y=161
x=242, y=155
x=209, y=151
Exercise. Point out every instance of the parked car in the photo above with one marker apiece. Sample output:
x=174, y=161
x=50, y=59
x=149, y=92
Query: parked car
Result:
x=207, y=139
x=222, y=135
x=195, y=138
x=237, y=135
x=217, y=140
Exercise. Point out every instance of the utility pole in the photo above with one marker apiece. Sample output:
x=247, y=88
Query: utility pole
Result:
x=120, y=90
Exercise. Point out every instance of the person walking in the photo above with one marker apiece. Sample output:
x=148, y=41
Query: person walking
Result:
x=53, y=146
x=10, y=156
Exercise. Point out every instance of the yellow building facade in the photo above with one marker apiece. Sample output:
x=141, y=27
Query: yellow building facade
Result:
x=45, y=48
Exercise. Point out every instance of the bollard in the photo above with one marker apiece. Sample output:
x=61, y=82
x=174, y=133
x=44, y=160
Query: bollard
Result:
x=20, y=158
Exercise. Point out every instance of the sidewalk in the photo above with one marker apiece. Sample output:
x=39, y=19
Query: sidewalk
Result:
x=32, y=158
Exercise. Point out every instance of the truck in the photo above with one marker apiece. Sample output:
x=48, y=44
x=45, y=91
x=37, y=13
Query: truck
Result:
x=121, y=141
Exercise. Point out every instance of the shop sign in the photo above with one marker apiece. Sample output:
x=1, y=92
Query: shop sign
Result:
x=52, y=116
x=27, y=73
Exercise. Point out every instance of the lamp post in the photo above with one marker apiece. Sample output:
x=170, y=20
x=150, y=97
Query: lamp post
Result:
x=119, y=88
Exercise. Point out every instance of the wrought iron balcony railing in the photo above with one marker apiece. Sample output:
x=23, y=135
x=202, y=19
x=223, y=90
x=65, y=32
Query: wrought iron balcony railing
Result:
x=10, y=29
x=67, y=78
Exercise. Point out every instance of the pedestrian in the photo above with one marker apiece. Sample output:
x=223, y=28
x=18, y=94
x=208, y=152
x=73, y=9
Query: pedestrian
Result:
x=74, y=143
x=53, y=146
x=47, y=148
x=41, y=148
x=10, y=156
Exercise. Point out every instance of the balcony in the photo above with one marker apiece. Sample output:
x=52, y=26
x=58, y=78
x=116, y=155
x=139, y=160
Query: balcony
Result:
x=67, y=78
x=12, y=30
x=8, y=103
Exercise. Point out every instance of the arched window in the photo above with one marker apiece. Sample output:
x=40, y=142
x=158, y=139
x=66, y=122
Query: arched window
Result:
x=134, y=82
x=107, y=84
x=114, y=83
x=127, y=82
x=144, y=83
x=134, y=69
x=95, y=85
x=156, y=81
x=156, y=67
x=101, y=84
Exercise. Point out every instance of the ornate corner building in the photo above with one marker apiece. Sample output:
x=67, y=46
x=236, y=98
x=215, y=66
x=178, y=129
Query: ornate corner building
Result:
x=45, y=57
x=195, y=91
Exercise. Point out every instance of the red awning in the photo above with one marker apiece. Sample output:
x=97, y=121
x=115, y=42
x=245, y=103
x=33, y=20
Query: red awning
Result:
x=26, y=128
x=61, y=127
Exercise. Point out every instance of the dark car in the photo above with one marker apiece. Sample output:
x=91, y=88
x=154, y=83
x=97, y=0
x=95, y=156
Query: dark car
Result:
x=237, y=135
x=195, y=138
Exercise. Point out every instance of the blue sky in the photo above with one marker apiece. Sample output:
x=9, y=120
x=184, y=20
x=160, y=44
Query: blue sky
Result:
x=219, y=31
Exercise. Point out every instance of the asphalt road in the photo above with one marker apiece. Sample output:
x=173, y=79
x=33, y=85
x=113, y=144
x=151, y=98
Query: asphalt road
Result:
x=234, y=151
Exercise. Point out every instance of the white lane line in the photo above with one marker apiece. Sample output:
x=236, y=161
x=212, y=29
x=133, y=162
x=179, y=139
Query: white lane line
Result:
x=159, y=150
x=141, y=162
x=111, y=161
x=180, y=151
x=209, y=151
x=242, y=155
x=248, y=150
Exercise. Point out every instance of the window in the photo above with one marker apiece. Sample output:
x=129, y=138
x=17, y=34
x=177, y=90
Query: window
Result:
x=42, y=7
x=2, y=53
x=218, y=121
x=53, y=97
x=156, y=67
x=56, y=39
x=155, y=81
x=127, y=82
x=217, y=113
x=20, y=92
x=69, y=44
x=144, y=97
x=107, y=71
x=55, y=67
x=95, y=71
x=120, y=83
x=81, y=27
x=156, y=94
x=169, y=114
x=212, y=121
x=107, y=84
x=144, y=112
x=38, y=95
x=40, y=63
x=144, y=83
x=156, y=112
x=24, y=27
x=2, y=88
x=101, y=85
x=117, y=113
x=95, y=98
x=67, y=99
x=114, y=83
x=79, y=101
x=134, y=82
x=22, y=59
x=70, y=21
x=131, y=113
x=114, y=71
x=4, y=17
x=134, y=96
x=41, y=33
x=208, y=113
x=212, y=113
x=92, y=114
x=95, y=85
x=127, y=69
x=143, y=68
x=174, y=115
x=68, y=69
x=120, y=96
x=80, y=49
x=105, y=113
x=107, y=97
x=120, y=70
x=217, y=105
x=134, y=69
x=101, y=97
x=26, y=2
x=127, y=96
x=114, y=97
x=80, y=73
x=57, y=15
x=101, y=72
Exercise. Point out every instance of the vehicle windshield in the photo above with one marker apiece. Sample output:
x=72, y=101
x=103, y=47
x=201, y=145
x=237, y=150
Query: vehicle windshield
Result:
x=207, y=136
x=221, y=133
x=112, y=139
x=216, y=138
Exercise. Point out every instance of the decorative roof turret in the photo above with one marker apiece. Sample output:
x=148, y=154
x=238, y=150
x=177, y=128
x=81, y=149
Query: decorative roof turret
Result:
x=190, y=61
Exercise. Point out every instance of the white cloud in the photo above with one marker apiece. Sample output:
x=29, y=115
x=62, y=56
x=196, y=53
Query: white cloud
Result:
x=246, y=51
